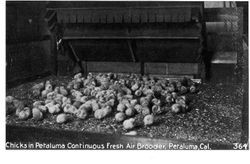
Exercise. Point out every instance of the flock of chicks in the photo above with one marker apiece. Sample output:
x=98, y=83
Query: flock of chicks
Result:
x=102, y=95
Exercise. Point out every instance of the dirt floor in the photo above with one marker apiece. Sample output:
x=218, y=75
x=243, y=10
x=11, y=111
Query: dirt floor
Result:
x=215, y=115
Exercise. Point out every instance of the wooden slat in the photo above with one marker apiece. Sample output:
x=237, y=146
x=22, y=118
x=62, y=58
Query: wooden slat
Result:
x=183, y=68
x=117, y=67
x=155, y=68
x=171, y=68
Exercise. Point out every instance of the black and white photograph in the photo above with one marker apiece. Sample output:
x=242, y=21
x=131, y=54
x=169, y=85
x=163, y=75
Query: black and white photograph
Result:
x=126, y=75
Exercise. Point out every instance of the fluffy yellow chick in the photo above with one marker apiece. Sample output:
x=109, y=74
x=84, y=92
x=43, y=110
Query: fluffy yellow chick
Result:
x=133, y=102
x=9, y=99
x=62, y=118
x=99, y=114
x=77, y=104
x=121, y=107
x=129, y=124
x=53, y=109
x=82, y=113
x=51, y=95
x=145, y=111
x=156, y=109
x=176, y=108
x=119, y=117
x=138, y=108
x=192, y=89
x=24, y=114
x=49, y=87
x=130, y=111
x=107, y=110
x=148, y=120
x=63, y=91
x=70, y=109
x=78, y=76
x=138, y=92
x=44, y=93
x=37, y=114
x=95, y=106
x=37, y=103
x=42, y=108
x=19, y=105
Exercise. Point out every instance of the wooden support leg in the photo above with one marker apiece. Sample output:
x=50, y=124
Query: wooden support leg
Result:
x=76, y=57
x=131, y=50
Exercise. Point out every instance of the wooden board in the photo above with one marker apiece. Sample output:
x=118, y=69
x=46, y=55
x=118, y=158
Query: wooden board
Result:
x=172, y=68
x=116, y=67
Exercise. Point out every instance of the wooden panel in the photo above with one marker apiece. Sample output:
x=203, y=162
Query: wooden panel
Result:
x=222, y=27
x=155, y=68
x=171, y=68
x=182, y=68
x=117, y=67
x=225, y=42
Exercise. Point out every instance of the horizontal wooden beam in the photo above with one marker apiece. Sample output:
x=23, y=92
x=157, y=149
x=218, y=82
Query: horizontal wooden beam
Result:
x=127, y=37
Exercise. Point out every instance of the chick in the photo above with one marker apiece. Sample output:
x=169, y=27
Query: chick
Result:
x=70, y=86
x=84, y=99
x=145, y=111
x=119, y=117
x=144, y=102
x=99, y=114
x=183, y=90
x=193, y=89
x=156, y=109
x=133, y=102
x=138, y=108
x=78, y=76
x=70, y=109
x=111, y=102
x=82, y=113
x=42, y=108
x=87, y=105
x=129, y=124
x=176, y=108
x=9, y=99
x=19, y=105
x=169, y=98
x=174, y=95
x=63, y=91
x=121, y=107
x=62, y=118
x=135, y=87
x=53, y=109
x=37, y=114
x=57, y=90
x=24, y=114
x=138, y=93
x=44, y=93
x=148, y=120
x=36, y=92
x=49, y=87
x=51, y=95
x=37, y=103
x=10, y=108
x=130, y=111
x=77, y=104
x=95, y=106
x=107, y=110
